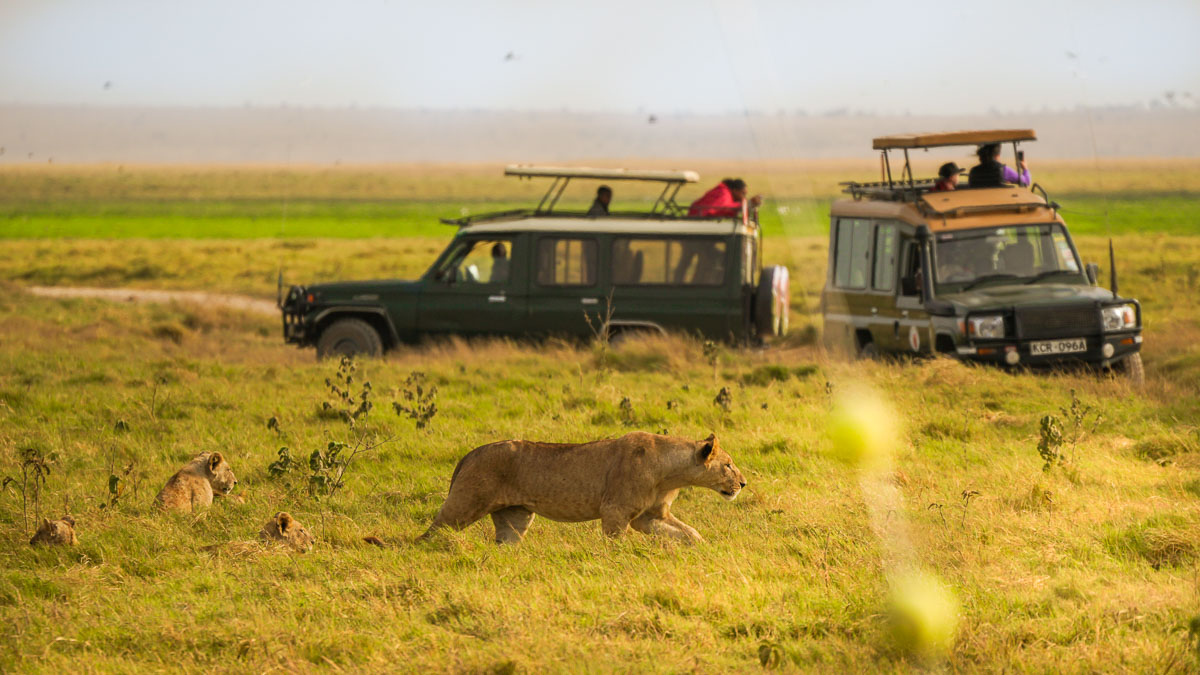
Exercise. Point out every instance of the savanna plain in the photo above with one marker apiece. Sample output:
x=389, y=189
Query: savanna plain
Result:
x=1087, y=566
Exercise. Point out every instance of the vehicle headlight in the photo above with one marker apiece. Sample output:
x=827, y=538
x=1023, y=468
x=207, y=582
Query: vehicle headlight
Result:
x=1119, y=317
x=986, y=327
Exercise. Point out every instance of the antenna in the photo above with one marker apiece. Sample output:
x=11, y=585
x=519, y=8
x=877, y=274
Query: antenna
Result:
x=283, y=223
x=1112, y=268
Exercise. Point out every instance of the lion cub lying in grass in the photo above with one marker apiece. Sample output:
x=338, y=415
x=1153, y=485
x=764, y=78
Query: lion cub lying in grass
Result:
x=61, y=531
x=285, y=529
x=196, y=483
x=627, y=481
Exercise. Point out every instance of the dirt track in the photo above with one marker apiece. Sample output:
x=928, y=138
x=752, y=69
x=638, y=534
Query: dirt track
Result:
x=238, y=302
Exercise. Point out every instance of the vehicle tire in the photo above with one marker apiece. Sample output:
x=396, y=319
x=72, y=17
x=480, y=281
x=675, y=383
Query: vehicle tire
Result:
x=349, y=337
x=868, y=352
x=1133, y=370
x=771, y=302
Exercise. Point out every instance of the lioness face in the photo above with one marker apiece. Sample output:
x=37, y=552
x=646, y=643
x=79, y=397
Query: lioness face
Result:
x=719, y=472
x=220, y=474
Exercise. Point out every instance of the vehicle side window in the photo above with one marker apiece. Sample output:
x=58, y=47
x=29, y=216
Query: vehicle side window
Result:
x=566, y=262
x=910, y=281
x=885, y=258
x=852, y=265
x=841, y=275
x=680, y=262
x=481, y=261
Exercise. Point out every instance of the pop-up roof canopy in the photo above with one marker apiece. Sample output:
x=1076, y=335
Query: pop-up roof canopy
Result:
x=905, y=186
x=527, y=171
x=563, y=175
x=938, y=140
x=665, y=205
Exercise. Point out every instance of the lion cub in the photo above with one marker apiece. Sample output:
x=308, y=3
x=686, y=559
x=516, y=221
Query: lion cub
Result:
x=61, y=531
x=285, y=529
x=195, y=484
x=624, y=482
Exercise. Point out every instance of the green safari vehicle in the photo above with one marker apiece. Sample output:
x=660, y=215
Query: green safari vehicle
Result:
x=984, y=274
x=550, y=272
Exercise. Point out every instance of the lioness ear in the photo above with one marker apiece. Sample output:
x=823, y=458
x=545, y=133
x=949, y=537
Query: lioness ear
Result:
x=70, y=520
x=284, y=520
x=45, y=523
x=214, y=460
x=706, y=449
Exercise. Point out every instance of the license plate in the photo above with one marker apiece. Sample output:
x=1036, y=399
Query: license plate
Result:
x=1058, y=346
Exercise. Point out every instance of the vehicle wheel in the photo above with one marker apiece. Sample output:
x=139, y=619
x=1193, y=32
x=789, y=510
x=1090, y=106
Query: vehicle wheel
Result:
x=868, y=352
x=1131, y=367
x=771, y=302
x=349, y=337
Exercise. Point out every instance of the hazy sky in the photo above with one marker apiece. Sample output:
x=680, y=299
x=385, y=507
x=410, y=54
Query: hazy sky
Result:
x=652, y=56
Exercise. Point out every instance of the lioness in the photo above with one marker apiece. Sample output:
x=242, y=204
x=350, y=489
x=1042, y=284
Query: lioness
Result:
x=625, y=481
x=196, y=483
x=285, y=529
x=61, y=531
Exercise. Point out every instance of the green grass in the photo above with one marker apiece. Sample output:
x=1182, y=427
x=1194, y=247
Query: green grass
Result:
x=229, y=219
x=1090, y=567
x=354, y=219
x=114, y=202
x=793, y=563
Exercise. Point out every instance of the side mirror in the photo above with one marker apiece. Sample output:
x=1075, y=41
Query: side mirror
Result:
x=1093, y=273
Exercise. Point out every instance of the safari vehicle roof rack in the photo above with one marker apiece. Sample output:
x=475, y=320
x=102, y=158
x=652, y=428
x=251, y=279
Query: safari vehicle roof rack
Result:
x=665, y=205
x=907, y=188
x=673, y=180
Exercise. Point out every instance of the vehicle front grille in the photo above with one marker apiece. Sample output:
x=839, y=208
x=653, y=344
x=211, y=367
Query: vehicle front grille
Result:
x=1053, y=322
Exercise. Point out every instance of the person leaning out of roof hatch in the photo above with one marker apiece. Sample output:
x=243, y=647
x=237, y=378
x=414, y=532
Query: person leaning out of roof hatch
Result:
x=600, y=204
x=947, y=178
x=723, y=200
x=989, y=172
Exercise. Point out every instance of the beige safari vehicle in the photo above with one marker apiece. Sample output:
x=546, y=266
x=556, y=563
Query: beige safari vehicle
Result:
x=987, y=274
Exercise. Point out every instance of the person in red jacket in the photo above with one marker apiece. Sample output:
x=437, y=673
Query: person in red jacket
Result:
x=723, y=200
x=947, y=178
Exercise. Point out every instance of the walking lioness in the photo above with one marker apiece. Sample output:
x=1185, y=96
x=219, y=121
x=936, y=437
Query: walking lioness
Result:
x=625, y=481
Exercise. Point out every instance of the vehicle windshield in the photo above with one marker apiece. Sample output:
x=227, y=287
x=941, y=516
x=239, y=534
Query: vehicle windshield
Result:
x=1013, y=254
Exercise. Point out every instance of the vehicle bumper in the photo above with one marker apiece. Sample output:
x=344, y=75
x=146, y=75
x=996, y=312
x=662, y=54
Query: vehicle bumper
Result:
x=1102, y=351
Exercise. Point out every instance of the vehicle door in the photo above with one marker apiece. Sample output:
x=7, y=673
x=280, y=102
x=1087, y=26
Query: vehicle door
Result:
x=678, y=283
x=475, y=288
x=884, y=313
x=853, y=303
x=565, y=296
x=911, y=328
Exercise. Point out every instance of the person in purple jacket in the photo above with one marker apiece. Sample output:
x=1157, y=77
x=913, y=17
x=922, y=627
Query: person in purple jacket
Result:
x=989, y=172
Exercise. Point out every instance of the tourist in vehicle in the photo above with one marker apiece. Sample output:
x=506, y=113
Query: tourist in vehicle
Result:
x=723, y=200
x=989, y=172
x=500, y=264
x=947, y=178
x=600, y=204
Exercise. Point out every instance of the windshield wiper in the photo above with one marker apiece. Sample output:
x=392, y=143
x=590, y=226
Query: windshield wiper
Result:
x=988, y=277
x=1048, y=273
